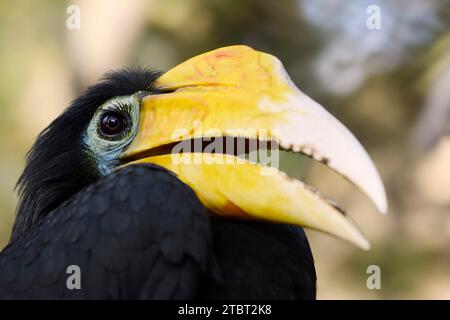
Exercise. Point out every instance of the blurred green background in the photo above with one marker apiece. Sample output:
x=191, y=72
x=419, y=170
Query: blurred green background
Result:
x=390, y=86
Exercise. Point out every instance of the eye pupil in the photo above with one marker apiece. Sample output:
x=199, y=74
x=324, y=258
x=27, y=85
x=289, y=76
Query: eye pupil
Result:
x=113, y=123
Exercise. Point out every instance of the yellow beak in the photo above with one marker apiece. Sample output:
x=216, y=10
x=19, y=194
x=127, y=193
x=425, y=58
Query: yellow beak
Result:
x=241, y=93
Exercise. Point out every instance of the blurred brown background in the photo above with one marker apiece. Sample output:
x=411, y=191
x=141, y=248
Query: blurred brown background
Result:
x=390, y=86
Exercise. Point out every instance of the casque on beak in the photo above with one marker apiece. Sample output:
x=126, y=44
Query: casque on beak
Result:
x=239, y=92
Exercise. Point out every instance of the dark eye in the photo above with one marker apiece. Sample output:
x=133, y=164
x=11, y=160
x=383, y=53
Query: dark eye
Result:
x=113, y=123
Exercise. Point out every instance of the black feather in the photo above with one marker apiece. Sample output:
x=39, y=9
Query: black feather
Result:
x=127, y=263
x=139, y=232
x=57, y=165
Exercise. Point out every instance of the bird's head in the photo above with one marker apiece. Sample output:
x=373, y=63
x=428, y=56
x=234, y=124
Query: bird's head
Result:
x=198, y=120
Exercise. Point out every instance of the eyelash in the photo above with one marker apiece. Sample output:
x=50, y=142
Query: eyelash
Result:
x=120, y=106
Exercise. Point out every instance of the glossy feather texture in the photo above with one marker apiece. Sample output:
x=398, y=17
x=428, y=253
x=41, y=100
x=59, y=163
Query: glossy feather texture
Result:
x=138, y=233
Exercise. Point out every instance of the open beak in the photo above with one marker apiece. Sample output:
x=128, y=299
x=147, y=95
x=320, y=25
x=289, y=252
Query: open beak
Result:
x=244, y=94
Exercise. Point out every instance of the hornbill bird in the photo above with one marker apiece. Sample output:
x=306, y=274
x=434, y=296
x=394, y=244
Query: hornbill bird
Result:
x=130, y=185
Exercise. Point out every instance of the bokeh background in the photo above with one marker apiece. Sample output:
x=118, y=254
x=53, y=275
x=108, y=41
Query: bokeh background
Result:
x=390, y=86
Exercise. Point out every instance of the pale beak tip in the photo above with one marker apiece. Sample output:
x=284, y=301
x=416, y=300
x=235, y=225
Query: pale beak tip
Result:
x=380, y=198
x=366, y=246
x=383, y=208
x=361, y=242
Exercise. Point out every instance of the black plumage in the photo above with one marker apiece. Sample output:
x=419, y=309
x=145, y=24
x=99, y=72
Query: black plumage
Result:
x=123, y=251
x=58, y=165
x=138, y=232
